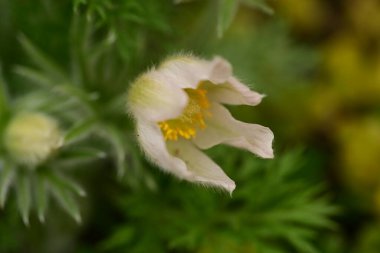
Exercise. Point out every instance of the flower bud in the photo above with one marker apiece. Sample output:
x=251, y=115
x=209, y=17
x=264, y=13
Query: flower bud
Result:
x=30, y=138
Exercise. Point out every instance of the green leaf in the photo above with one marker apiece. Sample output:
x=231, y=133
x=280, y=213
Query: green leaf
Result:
x=226, y=12
x=41, y=79
x=116, y=138
x=301, y=244
x=24, y=196
x=65, y=183
x=6, y=179
x=35, y=76
x=81, y=153
x=75, y=187
x=182, y=1
x=4, y=100
x=42, y=196
x=59, y=88
x=78, y=3
x=259, y=4
x=65, y=198
x=80, y=94
x=41, y=60
x=79, y=130
x=119, y=238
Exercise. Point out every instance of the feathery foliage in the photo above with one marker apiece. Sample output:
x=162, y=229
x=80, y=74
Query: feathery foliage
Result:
x=73, y=60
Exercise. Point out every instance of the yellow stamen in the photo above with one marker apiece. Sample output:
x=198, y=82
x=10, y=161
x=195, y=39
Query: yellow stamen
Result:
x=192, y=118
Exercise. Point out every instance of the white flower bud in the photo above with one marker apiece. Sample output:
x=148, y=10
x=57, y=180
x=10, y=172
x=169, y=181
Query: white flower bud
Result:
x=31, y=138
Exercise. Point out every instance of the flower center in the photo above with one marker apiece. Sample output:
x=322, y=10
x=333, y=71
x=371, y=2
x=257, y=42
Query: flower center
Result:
x=192, y=118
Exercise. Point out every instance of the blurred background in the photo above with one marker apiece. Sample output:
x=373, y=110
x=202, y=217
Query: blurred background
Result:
x=318, y=62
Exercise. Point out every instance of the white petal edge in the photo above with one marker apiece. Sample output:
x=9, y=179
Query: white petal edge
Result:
x=233, y=92
x=189, y=71
x=155, y=101
x=223, y=128
x=223, y=87
x=203, y=170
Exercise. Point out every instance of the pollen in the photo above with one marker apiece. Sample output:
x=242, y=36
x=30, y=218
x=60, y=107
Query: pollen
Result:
x=191, y=120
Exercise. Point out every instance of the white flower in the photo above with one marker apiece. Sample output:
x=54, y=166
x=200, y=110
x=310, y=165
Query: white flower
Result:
x=31, y=137
x=178, y=111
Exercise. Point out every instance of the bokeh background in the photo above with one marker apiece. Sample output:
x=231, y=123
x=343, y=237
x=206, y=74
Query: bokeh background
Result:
x=318, y=62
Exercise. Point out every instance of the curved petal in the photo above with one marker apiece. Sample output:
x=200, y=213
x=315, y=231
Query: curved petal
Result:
x=203, y=170
x=232, y=92
x=223, y=128
x=189, y=71
x=153, y=144
x=155, y=101
x=181, y=158
x=221, y=70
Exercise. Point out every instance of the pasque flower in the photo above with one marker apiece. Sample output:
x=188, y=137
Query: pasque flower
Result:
x=178, y=110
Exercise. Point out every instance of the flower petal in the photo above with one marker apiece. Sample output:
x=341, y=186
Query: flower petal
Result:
x=232, y=92
x=221, y=70
x=223, y=128
x=183, y=160
x=153, y=144
x=189, y=71
x=156, y=101
x=222, y=86
x=203, y=170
